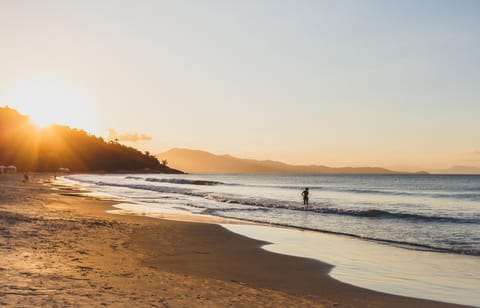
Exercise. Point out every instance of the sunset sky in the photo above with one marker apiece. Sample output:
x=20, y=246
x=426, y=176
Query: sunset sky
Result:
x=385, y=83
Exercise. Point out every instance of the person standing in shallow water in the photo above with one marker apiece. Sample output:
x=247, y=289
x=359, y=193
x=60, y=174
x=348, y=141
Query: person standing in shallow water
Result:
x=305, y=196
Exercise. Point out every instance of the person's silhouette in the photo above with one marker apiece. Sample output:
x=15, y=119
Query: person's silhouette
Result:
x=305, y=196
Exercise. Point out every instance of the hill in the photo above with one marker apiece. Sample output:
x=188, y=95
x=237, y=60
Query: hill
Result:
x=32, y=149
x=196, y=161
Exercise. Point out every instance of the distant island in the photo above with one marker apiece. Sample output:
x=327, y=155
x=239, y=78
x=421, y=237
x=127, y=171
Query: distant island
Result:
x=32, y=149
x=464, y=170
x=196, y=161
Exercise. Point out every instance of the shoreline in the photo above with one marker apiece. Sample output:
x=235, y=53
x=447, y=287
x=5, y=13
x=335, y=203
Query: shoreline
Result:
x=386, y=274
x=377, y=267
x=356, y=207
x=150, y=259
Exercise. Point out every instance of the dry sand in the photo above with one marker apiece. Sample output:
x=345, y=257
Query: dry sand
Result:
x=61, y=249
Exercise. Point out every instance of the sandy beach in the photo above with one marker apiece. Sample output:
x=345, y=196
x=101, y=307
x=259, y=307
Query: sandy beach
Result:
x=58, y=248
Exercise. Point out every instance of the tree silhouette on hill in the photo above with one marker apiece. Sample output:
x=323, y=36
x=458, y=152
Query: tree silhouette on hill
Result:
x=30, y=148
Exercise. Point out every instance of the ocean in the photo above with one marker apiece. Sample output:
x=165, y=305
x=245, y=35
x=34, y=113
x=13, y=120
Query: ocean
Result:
x=434, y=214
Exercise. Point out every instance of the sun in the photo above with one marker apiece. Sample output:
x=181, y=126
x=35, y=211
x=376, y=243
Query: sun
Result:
x=50, y=100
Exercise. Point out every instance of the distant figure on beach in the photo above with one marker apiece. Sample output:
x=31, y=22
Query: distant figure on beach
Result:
x=25, y=177
x=305, y=196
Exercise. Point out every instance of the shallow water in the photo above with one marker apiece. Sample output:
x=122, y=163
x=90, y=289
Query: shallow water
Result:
x=430, y=275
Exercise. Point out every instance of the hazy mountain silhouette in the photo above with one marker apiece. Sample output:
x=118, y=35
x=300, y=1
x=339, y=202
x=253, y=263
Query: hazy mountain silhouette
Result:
x=457, y=170
x=196, y=161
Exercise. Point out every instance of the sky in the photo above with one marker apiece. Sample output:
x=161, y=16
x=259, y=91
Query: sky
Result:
x=383, y=83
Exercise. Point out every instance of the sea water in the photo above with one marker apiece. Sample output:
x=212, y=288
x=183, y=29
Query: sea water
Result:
x=432, y=220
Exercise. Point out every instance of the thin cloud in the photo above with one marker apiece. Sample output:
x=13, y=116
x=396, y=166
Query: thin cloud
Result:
x=129, y=137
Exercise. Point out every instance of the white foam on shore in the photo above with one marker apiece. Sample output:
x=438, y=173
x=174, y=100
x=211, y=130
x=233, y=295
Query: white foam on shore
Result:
x=168, y=213
x=420, y=274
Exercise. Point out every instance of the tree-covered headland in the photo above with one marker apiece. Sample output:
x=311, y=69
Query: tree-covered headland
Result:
x=33, y=149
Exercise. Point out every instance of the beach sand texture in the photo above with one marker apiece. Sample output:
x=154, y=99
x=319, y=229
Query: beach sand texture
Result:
x=58, y=248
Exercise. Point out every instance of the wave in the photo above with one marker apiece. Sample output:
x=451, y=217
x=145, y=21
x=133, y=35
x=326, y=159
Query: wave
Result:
x=376, y=213
x=457, y=195
x=176, y=181
x=360, y=213
x=183, y=181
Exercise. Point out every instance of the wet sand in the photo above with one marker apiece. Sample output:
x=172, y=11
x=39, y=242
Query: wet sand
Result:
x=61, y=249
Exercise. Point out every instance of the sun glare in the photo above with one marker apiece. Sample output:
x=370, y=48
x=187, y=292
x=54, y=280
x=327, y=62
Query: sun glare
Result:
x=48, y=100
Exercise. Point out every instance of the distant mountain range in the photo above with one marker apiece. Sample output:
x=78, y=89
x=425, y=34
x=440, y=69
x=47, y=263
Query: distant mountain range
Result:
x=195, y=161
x=457, y=170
